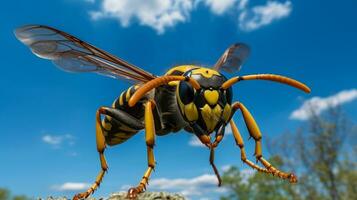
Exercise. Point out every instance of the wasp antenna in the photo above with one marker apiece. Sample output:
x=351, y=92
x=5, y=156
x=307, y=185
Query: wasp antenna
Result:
x=269, y=77
x=158, y=82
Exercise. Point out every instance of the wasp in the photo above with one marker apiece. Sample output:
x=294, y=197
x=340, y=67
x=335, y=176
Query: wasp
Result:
x=190, y=97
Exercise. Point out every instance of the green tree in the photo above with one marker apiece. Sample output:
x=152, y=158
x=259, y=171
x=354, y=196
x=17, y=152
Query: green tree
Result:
x=257, y=185
x=322, y=151
x=20, y=197
x=4, y=194
x=325, y=154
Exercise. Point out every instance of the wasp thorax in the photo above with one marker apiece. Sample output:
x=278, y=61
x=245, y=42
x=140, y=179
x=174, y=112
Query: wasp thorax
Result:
x=209, y=106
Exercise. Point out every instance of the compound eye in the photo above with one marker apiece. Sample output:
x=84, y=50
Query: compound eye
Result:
x=186, y=92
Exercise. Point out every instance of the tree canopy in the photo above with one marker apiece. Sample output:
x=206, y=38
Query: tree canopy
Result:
x=322, y=152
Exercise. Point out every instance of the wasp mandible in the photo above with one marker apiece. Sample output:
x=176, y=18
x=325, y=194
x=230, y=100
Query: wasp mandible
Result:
x=189, y=97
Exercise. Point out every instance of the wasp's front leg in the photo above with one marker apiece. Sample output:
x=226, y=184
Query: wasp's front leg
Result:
x=150, y=142
x=239, y=141
x=206, y=140
x=254, y=132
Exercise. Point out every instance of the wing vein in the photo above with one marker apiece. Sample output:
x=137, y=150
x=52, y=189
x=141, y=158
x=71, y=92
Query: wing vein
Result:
x=74, y=55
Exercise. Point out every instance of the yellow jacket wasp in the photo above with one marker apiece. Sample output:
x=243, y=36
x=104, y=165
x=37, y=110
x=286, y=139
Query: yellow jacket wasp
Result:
x=189, y=97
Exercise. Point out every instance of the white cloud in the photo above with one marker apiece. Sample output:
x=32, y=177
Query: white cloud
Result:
x=262, y=15
x=200, y=187
x=228, y=130
x=54, y=140
x=163, y=14
x=71, y=186
x=242, y=4
x=320, y=104
x=226, y=167
x=220, y=6
x=195, y=142
x=58, y=140
x=197, y=186
x=158, y=14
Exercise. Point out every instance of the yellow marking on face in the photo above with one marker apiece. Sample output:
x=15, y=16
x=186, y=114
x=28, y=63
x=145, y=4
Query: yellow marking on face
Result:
x=206, y=72
x=182, y=106
x=206, y=114
x=211, y=116
x=217, y=112
x=191, y=112
x=211, y=96
x=226, y=112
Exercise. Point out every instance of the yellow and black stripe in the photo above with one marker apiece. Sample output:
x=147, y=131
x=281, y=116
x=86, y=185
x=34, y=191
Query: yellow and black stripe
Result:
x=127, y=121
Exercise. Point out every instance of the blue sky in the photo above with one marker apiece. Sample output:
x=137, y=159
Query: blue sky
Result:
x=47, y=116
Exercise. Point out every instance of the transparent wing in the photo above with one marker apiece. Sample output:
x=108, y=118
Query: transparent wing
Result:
x=74, y=55
x=233, y=58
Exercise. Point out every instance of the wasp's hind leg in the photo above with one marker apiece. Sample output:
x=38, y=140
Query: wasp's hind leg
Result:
x=100, y=148
x=150, y=142
x=101, y=142
x=256, y=134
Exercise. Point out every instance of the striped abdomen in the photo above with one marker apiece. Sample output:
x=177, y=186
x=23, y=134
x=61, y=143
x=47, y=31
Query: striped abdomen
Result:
x=117, y=131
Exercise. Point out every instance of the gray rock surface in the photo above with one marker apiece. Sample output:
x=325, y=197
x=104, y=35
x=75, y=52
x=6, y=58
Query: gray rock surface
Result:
x=148, y=196
x=142, y=196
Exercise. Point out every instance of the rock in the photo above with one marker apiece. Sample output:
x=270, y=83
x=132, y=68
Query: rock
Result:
x=142, y=196
x=148, y=196
x=61, y=198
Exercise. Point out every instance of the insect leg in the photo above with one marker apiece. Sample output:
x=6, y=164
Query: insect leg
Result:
x=150, y=142
x=100, y=148
x=256, y=134
x=211, y=161
x=206, y=140
x=239, y=141
x=219, y=135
